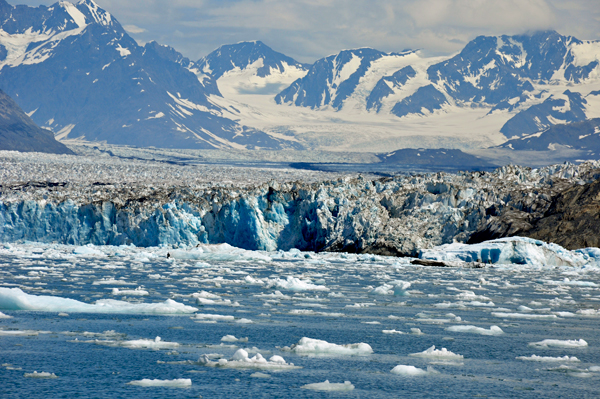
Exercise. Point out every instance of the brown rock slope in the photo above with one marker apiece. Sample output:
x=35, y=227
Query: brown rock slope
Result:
x=19, y=133
x=571, y=218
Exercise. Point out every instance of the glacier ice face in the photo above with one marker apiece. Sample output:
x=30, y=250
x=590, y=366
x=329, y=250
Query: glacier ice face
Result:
x=390, y=216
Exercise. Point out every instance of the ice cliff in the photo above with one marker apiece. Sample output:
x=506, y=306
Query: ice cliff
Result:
x=394, y=216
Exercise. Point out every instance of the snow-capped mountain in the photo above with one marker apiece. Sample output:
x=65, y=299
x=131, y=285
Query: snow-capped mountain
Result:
x=75, y=70
x=19, y=133
x=332, y=80
x=582, y=135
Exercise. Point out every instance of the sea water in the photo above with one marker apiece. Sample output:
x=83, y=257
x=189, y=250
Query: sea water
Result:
x=504, y=331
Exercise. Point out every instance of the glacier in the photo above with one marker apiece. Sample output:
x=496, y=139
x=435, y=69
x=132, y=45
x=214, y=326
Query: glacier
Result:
x=401, y=215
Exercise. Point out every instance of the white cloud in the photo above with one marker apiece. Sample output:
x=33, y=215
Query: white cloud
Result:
x=133, y=29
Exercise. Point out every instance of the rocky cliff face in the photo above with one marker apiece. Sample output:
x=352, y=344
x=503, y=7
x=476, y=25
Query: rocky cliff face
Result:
x=571, y=218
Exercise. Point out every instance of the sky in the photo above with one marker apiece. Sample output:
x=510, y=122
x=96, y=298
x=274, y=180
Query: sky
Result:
x=311, y=29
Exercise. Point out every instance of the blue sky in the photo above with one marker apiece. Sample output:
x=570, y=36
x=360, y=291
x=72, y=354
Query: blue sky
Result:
x=311, y=29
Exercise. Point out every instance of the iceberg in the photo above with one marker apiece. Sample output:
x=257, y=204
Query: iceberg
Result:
x=16, y=299
x=494, y=330
x=412, y=371
x=177, y=383
x=557, y=343
x=437, y=354
x=329, y=386
x=309, y=346
x=241, y=360
x=506, y=251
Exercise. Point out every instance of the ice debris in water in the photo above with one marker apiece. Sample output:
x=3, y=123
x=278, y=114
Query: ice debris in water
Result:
x=510, y=250
x=241, y=360
x=213, y=317
x=43, y=374
x=16, y=299
x=391, y=332
x=177, y=383
x=156, y=343
x=536, y=358
x=589, y=312
x=437, y=353
x=494, y=330
x=320, y=347
x=411, y=371
x=4, y=316
x=88, y=250
x=557, y=343
x=218, y=252
x=329, y=386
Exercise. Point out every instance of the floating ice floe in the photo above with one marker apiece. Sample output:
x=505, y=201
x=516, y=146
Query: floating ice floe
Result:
x=558, y=343
x=411, y=371
x=43, y=374
x=258, y=374
x=391, y=332
x=397, y=288
x=329, y=386
x=508, y=315
x=218, y=252
x=511, y=250
x=22, y=333
x=438, y=354
x=232, y=338
x=309, y=346
x=213, y=317
x=88, y=250
x=139, y=291
x=177, y=383
x=241, y=360
x=5, y=316
x=589, y=312
x=16, y=299
x=295, y=284
x=494, y=330
x=156, y=343
x=536, y=358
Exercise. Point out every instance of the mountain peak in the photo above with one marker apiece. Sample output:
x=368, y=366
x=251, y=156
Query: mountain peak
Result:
x=243, y=54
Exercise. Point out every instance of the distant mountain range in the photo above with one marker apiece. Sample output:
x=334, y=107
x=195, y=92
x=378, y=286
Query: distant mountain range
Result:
x=75, y=70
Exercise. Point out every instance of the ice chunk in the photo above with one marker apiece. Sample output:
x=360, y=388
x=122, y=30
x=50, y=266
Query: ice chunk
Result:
x=16, y=299
x=241, y=360
x=218, y=252
x=557, y=343
x=177, y=383
x=536, y=358
x=216, y=317
x=232, y=338
x=589, y=312
x=156, y=343
x=437, y=354
x=319, y=347
x=139, y=291
x=42, y=374
x=5, y=316
x=411, y=371
x=329, y=386
x=88, y=250
x=295, y=284
x=507, y=315
x=258, y=374
x=511, y=250
x=397, y=288
x=391, y=332
x=494, y=330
